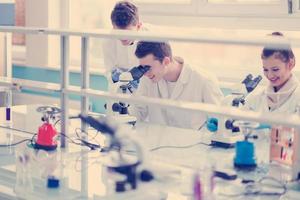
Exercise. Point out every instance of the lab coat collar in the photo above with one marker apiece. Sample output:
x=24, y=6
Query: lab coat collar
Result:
x=181, y=82
x=179, y=87
x=276, y=99
x=184, y=75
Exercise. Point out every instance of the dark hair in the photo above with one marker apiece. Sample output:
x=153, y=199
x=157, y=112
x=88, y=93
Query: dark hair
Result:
x=124, y=14
x=159, y=50
x=285, y=54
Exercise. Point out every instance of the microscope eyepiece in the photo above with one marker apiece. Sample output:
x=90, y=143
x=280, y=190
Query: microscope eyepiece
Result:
x=139, y=71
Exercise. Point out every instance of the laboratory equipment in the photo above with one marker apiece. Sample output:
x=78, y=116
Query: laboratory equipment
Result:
x=46, y=137
x=7, y=102
x=6, y=119
x=203, y=184
x=24, y=184
x=122, y=107
x=285, y=151
x=121, y=162
x=127, y=81
x=226, y=134
x=245, y=150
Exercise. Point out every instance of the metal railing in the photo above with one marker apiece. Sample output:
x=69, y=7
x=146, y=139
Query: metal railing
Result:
x=85, y=92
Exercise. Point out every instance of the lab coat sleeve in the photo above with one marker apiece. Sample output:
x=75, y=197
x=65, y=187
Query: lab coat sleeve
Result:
x=211, y=92
x=109, y=60
x=251, y=101
x=255, y=100
x=109, y=54
x=138, y=110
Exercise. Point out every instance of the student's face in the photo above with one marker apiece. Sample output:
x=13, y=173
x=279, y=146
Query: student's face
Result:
x=157, y=69
x=128, y=28
x=276, y=71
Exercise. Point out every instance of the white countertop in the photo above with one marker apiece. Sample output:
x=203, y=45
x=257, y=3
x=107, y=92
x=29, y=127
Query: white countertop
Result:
x=164, y=153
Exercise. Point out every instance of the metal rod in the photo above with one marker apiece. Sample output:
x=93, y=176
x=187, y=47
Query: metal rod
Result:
x=7, y=55
x=64, y=85
x=272, y=118
x=85, y=79
x=85, y=82
x=209, y=109
x=18, y=84
x=160, y=36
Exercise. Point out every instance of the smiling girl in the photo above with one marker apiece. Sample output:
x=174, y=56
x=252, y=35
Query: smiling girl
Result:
x=283, y=91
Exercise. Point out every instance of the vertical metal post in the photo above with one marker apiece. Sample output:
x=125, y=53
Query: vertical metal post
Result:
x=85, y=78
x=7, y=72
x=7, y=55
x=85, y=82
x=64, y=103
x=290, y=6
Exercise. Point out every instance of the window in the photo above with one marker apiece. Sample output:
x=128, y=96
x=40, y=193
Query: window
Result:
x=167, y=6
x=88, y=14
x=95, y=14
x=243, y=7
x=243, y=1
x=165, y=1
x=216, y=7
x=189, y=15
x=228, y=62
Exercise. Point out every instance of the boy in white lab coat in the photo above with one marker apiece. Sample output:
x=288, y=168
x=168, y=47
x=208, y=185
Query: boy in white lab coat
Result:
x=171, y=78
x=282, y=94
x=119, y=54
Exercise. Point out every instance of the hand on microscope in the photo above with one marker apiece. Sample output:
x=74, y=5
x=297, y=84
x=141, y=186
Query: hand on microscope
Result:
x=126, y=82
x=130, y=78
x=134, y=74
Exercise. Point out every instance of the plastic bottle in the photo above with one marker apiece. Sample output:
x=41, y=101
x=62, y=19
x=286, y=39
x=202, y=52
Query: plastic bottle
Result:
x=6, y=138
x=203, y=183
x=23, y=186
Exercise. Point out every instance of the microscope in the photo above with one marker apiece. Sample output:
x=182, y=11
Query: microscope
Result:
x=122, y=164
x=127, y=82
x=226, y=133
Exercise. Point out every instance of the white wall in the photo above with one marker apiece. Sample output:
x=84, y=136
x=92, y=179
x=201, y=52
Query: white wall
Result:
x=42, y=50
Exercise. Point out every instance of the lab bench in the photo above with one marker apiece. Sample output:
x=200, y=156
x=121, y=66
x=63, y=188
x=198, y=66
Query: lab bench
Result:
x=172, y=154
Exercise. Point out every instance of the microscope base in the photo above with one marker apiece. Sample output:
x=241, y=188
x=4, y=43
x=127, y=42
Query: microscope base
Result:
x=225, y=141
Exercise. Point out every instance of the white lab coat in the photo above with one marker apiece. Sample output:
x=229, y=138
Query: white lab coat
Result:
x=192, y=85
x=116, y=55
x=257, y=101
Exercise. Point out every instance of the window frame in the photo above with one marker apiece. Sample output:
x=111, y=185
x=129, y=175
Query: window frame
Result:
x=167, y=8
x=204, y=8
x=263, y=9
